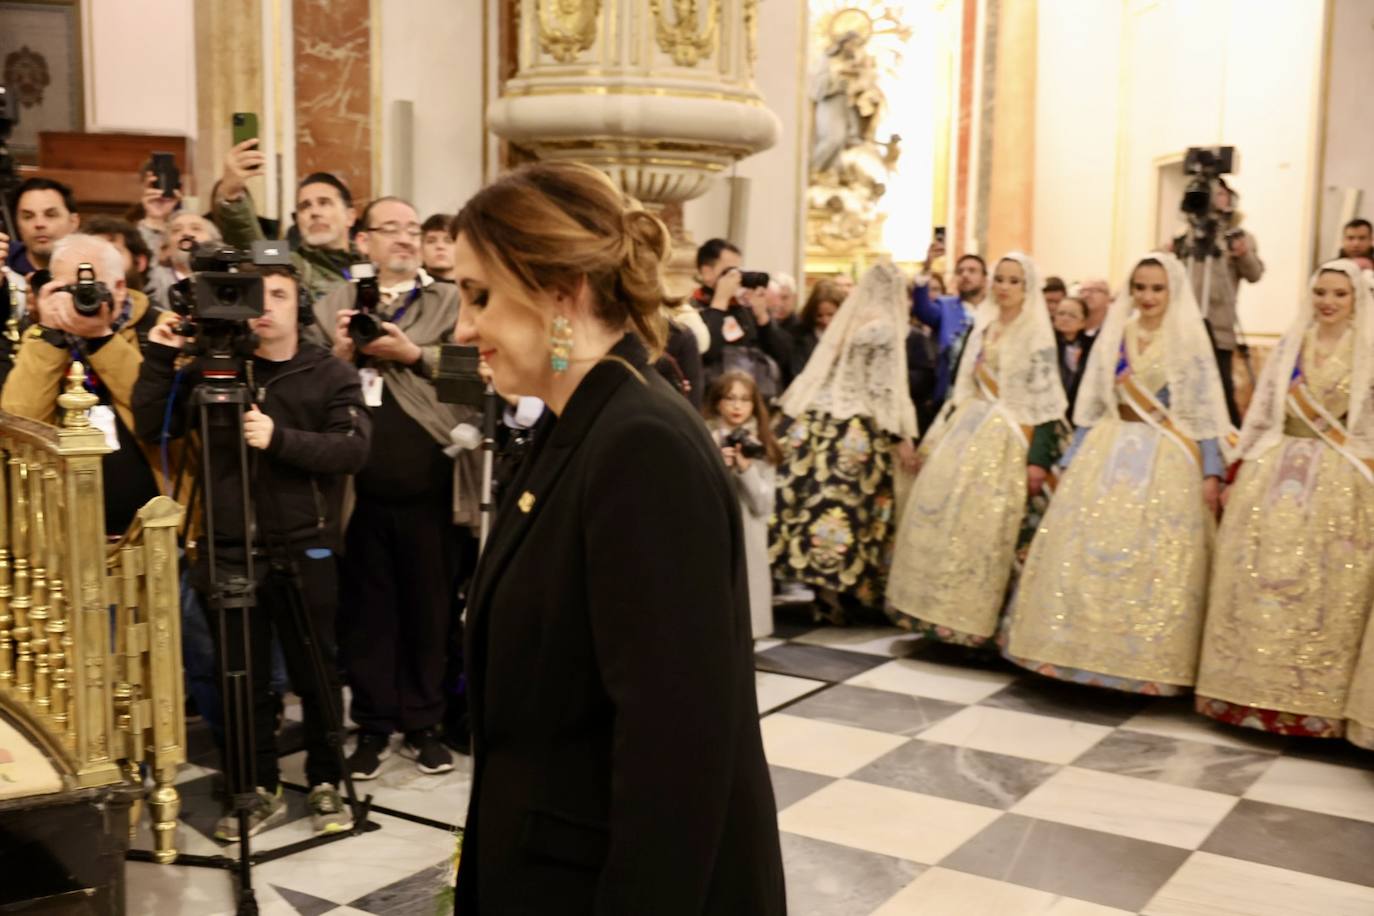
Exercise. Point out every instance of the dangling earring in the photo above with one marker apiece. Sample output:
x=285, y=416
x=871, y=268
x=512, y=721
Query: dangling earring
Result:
x=560, y=344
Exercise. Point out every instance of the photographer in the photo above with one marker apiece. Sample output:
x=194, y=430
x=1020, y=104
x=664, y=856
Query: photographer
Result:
x=743, y=335
x=107, y=333
x=324, y=214
x=306, y=430
x=1239, y=260
x=403, y=545
x=738, y=420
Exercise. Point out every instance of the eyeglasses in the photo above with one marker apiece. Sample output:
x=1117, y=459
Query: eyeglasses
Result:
x=390, y=230
x=737, y=399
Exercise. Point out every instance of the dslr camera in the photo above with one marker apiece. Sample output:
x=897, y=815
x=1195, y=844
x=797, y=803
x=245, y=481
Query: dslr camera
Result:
x=88, y=294
x=366, y=326
x=741, y=441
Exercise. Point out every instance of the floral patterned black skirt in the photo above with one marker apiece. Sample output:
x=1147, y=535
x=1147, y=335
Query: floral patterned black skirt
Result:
x=833, y=523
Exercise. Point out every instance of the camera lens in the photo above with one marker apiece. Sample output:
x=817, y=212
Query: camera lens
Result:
x=228, y=294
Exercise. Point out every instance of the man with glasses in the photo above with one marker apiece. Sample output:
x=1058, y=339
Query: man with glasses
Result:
x=324, y=215
x=403, y=544
x=1097, y=296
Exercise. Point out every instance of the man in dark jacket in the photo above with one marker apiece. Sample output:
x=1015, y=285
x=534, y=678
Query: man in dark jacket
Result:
x=405, y=550
x=306, y=430
x=743, y=334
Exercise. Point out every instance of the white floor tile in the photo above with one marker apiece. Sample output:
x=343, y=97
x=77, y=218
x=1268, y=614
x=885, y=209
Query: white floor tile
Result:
x=763, y=645
x=169, y=890
x=776, y=689
x=822, y=747
x=907, y=825
x=348, y=869
x=1175, y=718
x=1342, y=791
x=931, y=679
x=941, y=892
x=1210, y=885
x=1140, y=808
x=1019, y=734
x=889, y=642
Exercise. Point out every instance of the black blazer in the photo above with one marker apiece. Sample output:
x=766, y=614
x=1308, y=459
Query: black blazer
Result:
x=617, y=761
x=1072, y=379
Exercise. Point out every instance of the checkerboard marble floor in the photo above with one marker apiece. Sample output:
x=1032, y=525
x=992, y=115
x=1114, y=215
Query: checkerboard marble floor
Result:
x=918, y=779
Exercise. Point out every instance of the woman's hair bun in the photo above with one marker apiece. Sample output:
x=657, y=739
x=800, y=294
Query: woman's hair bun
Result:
x=549, y=225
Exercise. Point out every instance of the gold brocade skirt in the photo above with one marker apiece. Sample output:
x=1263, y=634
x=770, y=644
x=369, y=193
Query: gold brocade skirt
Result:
x=1292, y=583
x=1116, y=580
x=956, y=538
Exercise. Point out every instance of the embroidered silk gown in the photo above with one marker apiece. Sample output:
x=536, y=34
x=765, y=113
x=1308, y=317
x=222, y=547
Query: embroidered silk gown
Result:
x=1115, y=585
x=1293, y=578
x=957, y=539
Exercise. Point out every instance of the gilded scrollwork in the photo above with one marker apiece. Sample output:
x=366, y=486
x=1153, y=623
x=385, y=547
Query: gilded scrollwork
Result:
x=686, y=37
x=567, y=27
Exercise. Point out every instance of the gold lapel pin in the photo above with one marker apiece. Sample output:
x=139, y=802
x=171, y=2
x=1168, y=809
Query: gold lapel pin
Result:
x=526, y=502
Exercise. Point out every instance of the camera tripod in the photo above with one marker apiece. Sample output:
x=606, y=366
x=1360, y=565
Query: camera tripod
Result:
x=220, y=402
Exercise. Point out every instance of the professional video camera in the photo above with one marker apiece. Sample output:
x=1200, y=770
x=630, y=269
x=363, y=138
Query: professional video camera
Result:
x=218, y=300
x=1206, y=165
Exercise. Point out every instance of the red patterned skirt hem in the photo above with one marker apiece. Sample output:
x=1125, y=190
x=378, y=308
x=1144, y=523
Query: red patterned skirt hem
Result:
x=1270, y=720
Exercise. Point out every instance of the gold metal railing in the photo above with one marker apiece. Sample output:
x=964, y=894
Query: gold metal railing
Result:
x=90, y=635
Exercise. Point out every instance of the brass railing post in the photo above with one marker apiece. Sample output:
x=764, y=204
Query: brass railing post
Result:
x=82, y=446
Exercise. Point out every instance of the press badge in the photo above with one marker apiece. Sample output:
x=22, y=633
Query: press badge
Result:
x=103, y=419
x=372, y=386
x=730, y=329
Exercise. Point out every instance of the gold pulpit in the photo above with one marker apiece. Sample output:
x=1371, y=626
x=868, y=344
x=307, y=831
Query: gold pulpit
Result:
x=90, y=633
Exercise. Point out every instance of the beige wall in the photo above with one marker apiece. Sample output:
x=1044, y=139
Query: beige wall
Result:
x=1149, y=78
x=139, y=66
x=431, y=55
x=1348, y=155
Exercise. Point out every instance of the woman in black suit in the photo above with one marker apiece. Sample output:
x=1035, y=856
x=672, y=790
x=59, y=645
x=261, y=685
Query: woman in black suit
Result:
x=617, y=761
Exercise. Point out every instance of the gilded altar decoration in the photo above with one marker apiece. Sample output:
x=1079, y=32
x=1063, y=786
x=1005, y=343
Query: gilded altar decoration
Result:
x=857, y=46
x=686, y=38
x=567, y=27
x=661, y=132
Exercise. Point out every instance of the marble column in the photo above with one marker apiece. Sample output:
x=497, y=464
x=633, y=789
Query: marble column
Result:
x=1011, y=201
x=333, y=71
x=228, y=79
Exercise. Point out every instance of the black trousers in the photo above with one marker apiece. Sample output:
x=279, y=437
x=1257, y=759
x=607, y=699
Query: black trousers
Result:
x=400, y=576
x=275, y=613
x=1228, y=384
